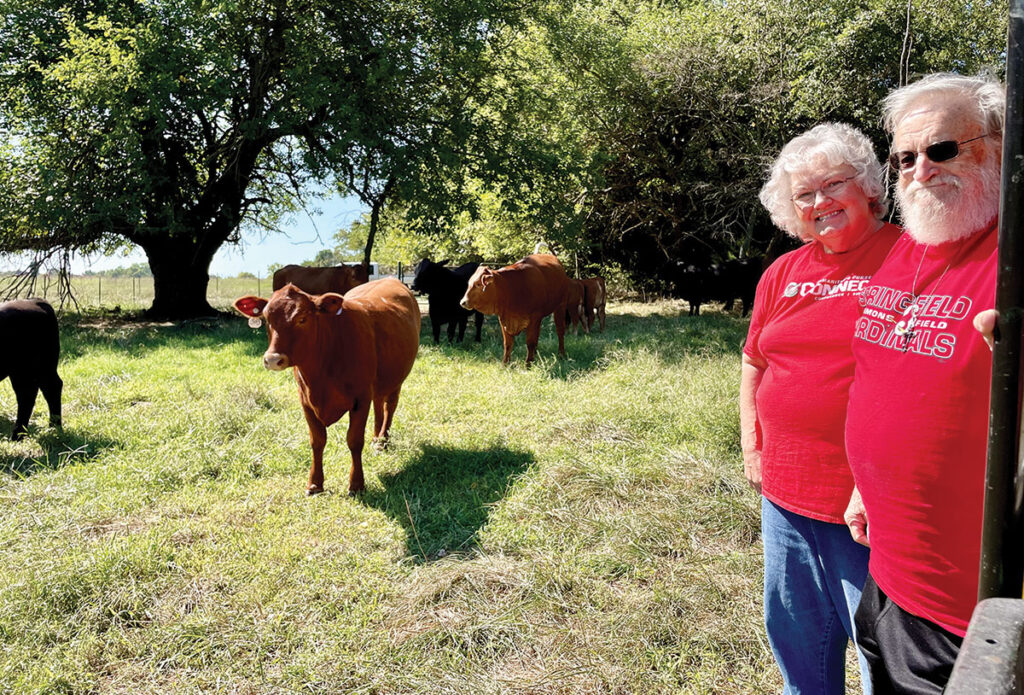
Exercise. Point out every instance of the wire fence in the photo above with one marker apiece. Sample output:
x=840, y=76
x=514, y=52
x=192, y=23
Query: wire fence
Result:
x=130, y=293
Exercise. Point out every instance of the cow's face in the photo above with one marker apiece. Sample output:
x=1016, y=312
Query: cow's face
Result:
x=480, y=281
x=293, y=321
x=427, y=273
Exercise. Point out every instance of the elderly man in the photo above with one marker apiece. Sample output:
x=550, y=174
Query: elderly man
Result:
x=917, y=420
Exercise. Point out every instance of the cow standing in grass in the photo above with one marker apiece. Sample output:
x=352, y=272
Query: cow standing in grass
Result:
x=594, y=296
x=735, y=279
x=29, y=357
x=521, y=295
x=339, y=279
x=444, y=288
x=348, y=352
x=574, y=316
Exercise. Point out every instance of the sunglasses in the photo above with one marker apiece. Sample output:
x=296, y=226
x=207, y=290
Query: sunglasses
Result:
x=936, y=152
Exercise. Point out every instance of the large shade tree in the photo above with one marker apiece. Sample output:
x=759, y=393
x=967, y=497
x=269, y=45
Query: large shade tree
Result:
x=175, y=124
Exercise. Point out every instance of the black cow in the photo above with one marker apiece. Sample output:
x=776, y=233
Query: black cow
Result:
x=726, y=282
x=28, y=354
x=444, y=288
x=738, y=280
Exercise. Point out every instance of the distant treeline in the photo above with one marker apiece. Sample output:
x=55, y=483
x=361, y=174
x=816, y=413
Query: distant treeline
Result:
x=142, y=270
x=136, y=270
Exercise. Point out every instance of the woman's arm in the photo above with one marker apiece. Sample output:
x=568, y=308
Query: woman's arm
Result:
x=750, y=379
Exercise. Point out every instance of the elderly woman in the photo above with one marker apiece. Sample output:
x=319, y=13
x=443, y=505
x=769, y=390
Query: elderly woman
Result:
x=826, y=188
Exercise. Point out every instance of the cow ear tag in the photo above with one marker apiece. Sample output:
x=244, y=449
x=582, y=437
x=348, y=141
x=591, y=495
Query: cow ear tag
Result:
x=254, y=320
x=338, y=312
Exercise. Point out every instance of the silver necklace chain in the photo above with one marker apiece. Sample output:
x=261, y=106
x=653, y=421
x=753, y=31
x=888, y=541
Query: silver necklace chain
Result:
x=905, y=328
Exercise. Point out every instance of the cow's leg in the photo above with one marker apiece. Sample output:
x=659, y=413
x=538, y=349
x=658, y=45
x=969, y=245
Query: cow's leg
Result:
x=52, y=388
x=435, y=328
x=317, y=442
x=728, y=305
x=600, y=314
x=451, y=331
x=508, y=340
x=533, y=336
x=25, y=390
x=463, y=320
x=479, y=318
x=559, y=329
x=390, y=403
x=583, y=321
x=378, y=417
x=356, y=437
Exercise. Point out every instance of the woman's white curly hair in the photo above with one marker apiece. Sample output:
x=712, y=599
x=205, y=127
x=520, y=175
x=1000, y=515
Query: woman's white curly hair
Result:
x=825, y=145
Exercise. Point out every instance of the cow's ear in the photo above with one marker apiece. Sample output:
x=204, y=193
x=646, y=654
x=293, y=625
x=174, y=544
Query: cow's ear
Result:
x=444, y=262
x=330, y=303
x=486, y=277
x=250, y=306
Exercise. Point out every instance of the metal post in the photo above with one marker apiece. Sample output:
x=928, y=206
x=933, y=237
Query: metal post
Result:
x=99, y=290
x=1002, y=561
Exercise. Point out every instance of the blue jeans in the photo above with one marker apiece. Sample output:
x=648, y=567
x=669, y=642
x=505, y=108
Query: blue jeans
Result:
x=813, y=576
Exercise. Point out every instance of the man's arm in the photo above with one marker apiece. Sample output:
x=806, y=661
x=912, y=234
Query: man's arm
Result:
x=856, y=518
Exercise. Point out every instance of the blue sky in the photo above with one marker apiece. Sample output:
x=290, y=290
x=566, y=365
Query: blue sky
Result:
x=304, y=235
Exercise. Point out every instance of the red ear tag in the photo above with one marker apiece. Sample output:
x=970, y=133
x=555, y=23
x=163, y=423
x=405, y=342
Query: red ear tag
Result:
x=255, y=322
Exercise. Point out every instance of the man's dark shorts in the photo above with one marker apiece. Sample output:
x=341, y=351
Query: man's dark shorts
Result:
x=905, y=653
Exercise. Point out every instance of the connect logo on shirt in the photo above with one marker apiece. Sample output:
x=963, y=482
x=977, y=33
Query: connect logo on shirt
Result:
x=828, y=288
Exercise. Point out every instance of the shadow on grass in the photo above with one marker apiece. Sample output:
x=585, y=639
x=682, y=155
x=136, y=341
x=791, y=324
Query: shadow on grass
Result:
x=46, y=450
x=442, y=498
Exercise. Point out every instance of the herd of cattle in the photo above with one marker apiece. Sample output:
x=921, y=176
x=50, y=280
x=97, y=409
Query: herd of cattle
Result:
x=351, y=343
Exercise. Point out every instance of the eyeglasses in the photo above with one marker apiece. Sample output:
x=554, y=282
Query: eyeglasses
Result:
x=829, y=188
x=937, y=152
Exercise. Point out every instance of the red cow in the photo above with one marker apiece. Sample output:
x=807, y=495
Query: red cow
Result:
x=593, y=300
x=521, y=295
x=339, y=279
x=574, y=315
x=348, y=352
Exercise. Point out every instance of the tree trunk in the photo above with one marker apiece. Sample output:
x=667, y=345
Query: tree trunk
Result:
x=376, y=205
x=180, y=278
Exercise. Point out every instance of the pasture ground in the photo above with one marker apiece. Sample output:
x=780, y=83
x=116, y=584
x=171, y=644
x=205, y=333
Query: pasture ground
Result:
x=582, y=526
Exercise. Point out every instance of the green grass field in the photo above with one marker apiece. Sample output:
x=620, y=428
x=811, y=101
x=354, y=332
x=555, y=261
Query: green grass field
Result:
x=581, y=526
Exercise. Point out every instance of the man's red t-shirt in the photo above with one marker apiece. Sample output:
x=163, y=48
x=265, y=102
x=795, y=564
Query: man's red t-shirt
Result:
x=917, y=425
x=804, y=314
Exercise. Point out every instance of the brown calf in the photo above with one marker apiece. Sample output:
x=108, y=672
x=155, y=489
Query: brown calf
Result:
x=521, y=295
x=339, y=279
x=593, y=300
x=347, y=353
x=574, y=315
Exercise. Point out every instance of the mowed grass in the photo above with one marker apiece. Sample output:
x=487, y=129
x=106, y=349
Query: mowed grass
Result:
x=581, y=526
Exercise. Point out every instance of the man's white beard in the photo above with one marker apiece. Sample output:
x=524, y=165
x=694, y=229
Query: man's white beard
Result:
x=972, y=205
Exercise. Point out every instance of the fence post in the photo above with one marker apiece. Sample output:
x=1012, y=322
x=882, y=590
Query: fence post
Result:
x=258, y=286
x=99, y=290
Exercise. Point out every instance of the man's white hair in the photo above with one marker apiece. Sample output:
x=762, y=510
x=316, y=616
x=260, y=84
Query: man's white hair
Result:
x=986, y=93
x=825, y=145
